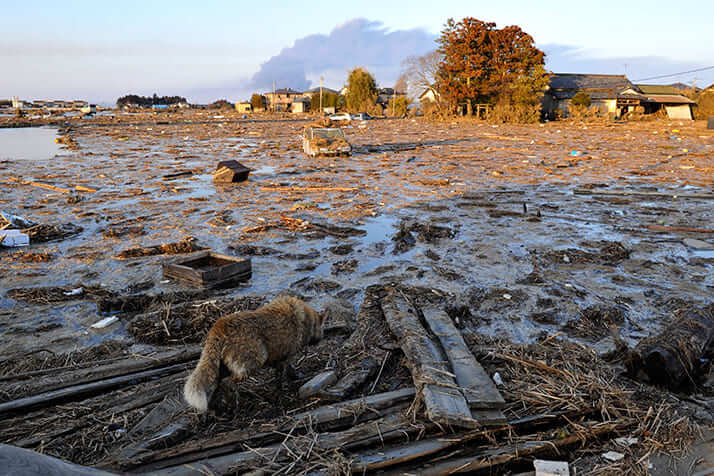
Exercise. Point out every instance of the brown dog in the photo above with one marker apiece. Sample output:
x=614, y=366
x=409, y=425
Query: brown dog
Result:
x=248, y=340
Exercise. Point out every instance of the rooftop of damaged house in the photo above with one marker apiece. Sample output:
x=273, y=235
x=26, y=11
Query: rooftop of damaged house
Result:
x=489, y=270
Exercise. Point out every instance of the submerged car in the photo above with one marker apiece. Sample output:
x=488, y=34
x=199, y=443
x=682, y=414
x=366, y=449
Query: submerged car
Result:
x=361, y=116
x=343, y=116
x=325, y=141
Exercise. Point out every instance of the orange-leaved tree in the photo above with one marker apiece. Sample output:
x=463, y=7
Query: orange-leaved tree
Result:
x=484, y=64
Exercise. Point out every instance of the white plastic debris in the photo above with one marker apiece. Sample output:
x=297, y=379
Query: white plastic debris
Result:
x=17, y=221
x=566, y=259
x=626, y=441
x=74, y=292
x=551, y=468
x=106, y=322
x=507, y=296
x=14, y=238
x=497, y=379
x=613, y=456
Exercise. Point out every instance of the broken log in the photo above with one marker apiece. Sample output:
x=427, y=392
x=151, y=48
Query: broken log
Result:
x=477, y=386
x=436, y=384
x=81, y=391
x=21, y=462
x=673, y=357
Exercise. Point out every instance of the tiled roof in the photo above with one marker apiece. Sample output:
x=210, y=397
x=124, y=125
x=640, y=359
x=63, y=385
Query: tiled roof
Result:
x=286, y=91
x=658, y=89
x=669, y=99
x=589, y=81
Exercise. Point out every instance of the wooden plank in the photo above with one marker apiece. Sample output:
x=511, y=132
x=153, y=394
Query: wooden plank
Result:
x=371, y=407
x=477, y=386
x=114, y=369
x=77, y=391
x=431, y=375
x=668, y=228
x=705, y=196
x=21, y=462
x=489, y=417
x=491, y=458
x=189, y=269
x=134, y=401
x=41, y=185
x=380, y=458
x=377, y=432
x=351, y=381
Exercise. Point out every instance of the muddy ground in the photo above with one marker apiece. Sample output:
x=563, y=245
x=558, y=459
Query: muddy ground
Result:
x=519, y=232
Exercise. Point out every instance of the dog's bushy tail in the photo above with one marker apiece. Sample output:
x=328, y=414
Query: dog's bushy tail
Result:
x=203, y=380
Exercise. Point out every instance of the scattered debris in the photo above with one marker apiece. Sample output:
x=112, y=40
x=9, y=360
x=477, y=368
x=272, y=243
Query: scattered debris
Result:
x=208, y=269
x=551, y=468
x=13, y=238
x=106, y=322
x=186, y=245
x=229, y=171
x=698, y=245
x=317, y=384
x=676, y=356
x=613, y=456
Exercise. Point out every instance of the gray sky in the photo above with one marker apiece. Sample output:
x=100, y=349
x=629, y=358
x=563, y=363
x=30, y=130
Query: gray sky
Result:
x=227, y=49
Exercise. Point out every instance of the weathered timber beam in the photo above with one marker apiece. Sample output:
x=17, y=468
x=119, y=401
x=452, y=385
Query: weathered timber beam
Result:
x=78, y=391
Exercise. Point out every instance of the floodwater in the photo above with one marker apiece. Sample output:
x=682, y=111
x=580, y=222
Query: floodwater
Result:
x=28, y=143
x=522, y=252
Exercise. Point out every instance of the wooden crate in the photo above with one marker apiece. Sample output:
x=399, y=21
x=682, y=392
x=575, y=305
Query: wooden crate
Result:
x=229, y=171
x=208, y=269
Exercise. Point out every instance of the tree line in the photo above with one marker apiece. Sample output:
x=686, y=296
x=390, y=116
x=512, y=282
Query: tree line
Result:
x=148, y=101
x=475, y=63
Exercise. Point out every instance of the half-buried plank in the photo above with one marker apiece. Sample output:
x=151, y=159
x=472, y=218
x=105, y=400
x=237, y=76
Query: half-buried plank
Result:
x=477, y=386
x=428, y=365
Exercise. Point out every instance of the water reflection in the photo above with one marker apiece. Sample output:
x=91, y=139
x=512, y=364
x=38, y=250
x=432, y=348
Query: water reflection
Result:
x=28, y=143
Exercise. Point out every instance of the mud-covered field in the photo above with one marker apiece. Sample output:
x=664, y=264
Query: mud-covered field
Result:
x=521, y=233
x=504, y=220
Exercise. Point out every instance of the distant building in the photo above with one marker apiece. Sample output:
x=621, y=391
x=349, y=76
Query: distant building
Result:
x=429, y=95
x=281, y=99
x=669, y=98
x=384, y=95
x=610, y=93
x=88, y=109
x=310, y=92
x=159, y=107
x=300, y=105
x=243, y=107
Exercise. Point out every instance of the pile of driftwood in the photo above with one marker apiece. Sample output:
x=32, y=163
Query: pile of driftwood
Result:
x=554, y=400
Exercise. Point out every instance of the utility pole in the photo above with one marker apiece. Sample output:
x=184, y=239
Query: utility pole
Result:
x=272, y=103
x=321, y=78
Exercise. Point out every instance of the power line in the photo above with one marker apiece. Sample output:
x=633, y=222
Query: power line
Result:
x=675, y=74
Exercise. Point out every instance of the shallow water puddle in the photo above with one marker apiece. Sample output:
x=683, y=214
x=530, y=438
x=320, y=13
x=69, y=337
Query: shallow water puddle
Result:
x=28, y=143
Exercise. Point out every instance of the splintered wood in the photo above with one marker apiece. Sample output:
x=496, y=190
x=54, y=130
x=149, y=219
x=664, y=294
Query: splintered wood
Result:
x=451, y=382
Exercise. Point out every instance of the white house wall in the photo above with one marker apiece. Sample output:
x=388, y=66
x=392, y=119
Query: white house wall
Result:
x=681, y=111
